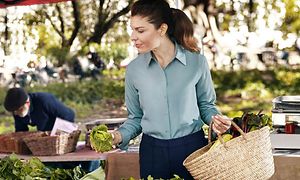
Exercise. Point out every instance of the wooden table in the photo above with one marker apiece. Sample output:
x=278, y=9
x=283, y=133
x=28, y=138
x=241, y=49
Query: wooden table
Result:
x=287, y=165
x=287, y=162
x=82, y=153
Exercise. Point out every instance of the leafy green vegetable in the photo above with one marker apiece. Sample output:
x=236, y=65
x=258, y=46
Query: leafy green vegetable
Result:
x=95, y=175
x=12, y=168
x=176, y=177
x=101, y=139
x=250, y=122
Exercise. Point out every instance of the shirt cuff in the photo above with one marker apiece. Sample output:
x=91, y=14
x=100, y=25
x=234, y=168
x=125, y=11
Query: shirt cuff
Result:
x=125, y=138
x=210, y=115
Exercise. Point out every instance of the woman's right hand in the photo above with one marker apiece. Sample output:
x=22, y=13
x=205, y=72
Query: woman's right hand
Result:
x=117, y=137
x=221, y=123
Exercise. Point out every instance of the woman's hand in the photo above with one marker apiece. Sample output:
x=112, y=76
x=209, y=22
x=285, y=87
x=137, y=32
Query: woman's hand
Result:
x=117, y=137
x=221, y=123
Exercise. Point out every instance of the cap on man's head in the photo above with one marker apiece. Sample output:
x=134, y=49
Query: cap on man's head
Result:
x=15, y=98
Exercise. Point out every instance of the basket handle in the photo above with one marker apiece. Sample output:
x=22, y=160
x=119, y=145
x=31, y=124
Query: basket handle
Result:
x=219, y=135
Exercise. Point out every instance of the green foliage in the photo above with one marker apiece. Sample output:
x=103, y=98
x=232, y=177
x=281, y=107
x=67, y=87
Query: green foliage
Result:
x=291, y=22
x=94, y=175
x=12, y=168
x=84, y=92
x=237, y=92
x=49, y=45
x=101, y=139
x=84, y=97
x=6, y=123
x=59, y=54
x=251, y=121
x=251, y=90
x=2, y=97
x=271, y=80
x=116, y=51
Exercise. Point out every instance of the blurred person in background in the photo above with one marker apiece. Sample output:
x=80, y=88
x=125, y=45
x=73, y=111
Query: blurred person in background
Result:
x=38, y=109
x=99, y=65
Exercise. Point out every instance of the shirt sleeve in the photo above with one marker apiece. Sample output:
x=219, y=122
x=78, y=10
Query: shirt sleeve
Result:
x=20, y=125
x=59, y=109
x=132, y=126
x=206, y=95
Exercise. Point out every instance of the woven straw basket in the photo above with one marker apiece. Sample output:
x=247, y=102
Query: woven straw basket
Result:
x=53, y=145
x=246, y=157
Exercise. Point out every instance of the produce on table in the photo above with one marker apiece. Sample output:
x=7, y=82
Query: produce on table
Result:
x=101, y=139
x=247, y=122
x=12, y=168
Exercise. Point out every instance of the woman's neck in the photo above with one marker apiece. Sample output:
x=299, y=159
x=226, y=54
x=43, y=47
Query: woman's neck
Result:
x=165, y=53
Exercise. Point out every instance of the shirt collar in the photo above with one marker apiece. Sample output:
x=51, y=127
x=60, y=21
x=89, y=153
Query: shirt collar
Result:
x=180, y=56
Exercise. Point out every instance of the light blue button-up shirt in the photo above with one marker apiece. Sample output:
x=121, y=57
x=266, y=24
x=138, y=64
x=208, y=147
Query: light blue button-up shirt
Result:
x=169, y=102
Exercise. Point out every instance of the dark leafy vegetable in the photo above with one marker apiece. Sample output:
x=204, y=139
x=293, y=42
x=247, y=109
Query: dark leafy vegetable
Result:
x=250, y=122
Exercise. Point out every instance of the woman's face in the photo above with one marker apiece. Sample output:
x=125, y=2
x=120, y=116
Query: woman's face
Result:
x=144, y=34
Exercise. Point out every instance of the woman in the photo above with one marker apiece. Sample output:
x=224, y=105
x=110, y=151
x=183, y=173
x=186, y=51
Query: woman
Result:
x=169, y=93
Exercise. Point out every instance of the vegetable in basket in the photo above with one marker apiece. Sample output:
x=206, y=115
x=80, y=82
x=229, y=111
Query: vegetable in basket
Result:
x=226, y=137
x=247, y=122
x=101, y=139
x=250, y=122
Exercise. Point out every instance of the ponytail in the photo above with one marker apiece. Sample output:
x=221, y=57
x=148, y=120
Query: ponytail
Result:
x=180, y=26
x=184, y=31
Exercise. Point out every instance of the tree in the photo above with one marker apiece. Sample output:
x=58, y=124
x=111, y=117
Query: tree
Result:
x=66, y=42
x=83, y=22
x=6, y=35
x=95, y=18
x=107, y=15
x=291, y=21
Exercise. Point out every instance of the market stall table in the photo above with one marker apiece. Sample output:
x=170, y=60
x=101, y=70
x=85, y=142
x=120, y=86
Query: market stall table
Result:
x=119, y=163
x=81, y=153
x=123, y=164
x=287, y=164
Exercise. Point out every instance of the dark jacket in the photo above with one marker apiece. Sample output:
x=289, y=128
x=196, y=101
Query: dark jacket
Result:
x=44, y=109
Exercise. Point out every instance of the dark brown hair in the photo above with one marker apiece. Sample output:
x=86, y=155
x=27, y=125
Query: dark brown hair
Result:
x=158, y=12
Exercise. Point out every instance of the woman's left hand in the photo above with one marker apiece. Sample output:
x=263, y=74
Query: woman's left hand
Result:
x=221, y=123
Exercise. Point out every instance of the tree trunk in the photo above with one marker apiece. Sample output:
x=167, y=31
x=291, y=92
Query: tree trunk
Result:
x=77, y=23
x=6, y=36
x=249, y=18
x=66, y=42
x=104, y=24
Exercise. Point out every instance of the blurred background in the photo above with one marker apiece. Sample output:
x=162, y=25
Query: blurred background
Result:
x=78, y=50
